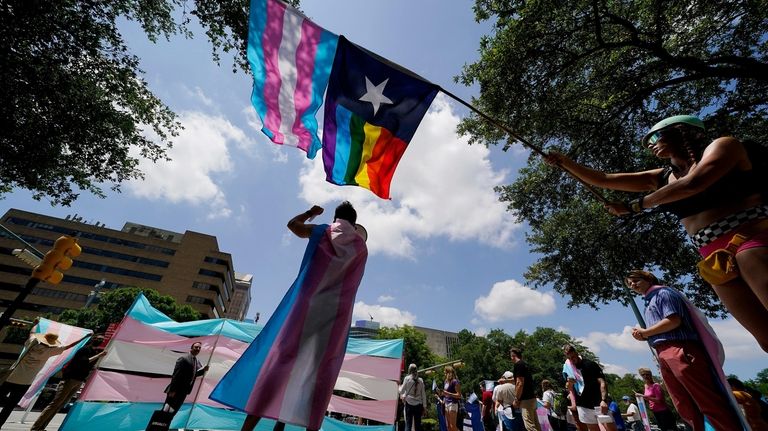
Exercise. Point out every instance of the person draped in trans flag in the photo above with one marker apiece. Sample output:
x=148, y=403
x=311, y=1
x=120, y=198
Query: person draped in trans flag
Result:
x=289, y=370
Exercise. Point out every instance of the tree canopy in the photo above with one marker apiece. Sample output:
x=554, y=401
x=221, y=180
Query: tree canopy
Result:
x=486, y=358
x=114, y=303
x=415, y=345
x=589, y=78
x=76, y=110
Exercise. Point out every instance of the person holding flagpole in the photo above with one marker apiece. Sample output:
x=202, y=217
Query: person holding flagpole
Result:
x=713, y=188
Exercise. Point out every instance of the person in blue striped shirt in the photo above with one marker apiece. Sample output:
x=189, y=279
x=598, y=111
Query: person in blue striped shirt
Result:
x=687, y=367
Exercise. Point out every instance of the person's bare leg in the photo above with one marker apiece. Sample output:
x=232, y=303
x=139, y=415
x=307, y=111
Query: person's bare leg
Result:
x=753, y=267
x=250, y=423
x=745, y=307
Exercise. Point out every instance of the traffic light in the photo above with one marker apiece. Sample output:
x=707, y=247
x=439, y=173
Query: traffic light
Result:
x=57, y=260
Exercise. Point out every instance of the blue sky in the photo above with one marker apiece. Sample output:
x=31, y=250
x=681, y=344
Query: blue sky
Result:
x=444, y=253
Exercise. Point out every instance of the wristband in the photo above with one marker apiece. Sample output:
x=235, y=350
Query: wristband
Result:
x=635, y=205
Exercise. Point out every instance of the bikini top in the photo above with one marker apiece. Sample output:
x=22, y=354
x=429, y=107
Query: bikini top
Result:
x=732, y=187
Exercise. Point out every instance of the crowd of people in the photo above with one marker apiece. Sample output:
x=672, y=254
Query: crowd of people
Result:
x=584, y=402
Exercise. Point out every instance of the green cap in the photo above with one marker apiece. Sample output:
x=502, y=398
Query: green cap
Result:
x=671, y=121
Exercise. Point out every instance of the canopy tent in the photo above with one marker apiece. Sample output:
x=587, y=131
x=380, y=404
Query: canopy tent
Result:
x=128, y=383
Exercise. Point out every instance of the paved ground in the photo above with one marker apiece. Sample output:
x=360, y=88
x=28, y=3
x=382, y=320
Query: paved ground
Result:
x=14, y=422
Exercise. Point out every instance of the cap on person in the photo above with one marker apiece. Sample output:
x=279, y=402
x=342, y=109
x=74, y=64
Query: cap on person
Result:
x=625, y=398
x=412, y=369
x=49, y=339
x=688, y=120
x=507, y=375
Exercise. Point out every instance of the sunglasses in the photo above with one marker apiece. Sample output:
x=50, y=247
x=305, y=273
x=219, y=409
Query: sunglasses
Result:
x=654, y=137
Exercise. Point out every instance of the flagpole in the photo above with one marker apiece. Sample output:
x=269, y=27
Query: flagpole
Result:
x=210, y=358
x=524, y=142
x=630, y=300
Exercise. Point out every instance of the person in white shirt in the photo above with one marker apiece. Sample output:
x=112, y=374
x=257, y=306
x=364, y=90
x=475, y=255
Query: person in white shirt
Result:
x=504, y=397
x=414, y=398
x=632, y=416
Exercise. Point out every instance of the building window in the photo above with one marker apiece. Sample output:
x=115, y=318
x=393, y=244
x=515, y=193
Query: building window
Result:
x=211, y=273
x=90, y=282
x=217, y=261
x=59, y=294
x=100, y=252
x=203, y=286
x=192, y=299
x=16, y=270
x=88, y=235
x=115, y=270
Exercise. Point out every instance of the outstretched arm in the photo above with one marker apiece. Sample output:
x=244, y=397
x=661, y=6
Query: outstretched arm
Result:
x=298, y=225
x=625, y=181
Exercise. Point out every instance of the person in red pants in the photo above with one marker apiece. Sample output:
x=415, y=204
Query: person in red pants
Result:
x=675, y=330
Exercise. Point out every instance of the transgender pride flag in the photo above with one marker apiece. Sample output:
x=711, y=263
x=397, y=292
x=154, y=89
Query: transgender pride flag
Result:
x=67, y=334
x=291, y=59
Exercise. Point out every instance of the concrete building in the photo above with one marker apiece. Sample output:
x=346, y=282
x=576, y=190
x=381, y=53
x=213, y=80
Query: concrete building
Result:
x=241, y=298
x=441, y=343
x=187, y=266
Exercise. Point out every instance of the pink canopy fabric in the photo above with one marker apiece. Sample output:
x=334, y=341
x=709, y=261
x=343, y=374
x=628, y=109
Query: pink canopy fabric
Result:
x=141, y=356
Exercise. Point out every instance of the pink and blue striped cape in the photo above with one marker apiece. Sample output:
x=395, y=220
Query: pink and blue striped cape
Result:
x=291, y=59
x=289, y=370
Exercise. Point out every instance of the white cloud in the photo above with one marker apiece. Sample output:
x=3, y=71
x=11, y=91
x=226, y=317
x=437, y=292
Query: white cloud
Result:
x=442, y=187
x=387, y=316
x=198, y=94
x=199, y=153
x=481, y=331
x=510, y=300
x=277, y=151
x=386, y=298
x=619, y=341
x=738, y=343
x=615, y=369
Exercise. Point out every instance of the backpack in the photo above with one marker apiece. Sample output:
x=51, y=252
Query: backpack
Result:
x=560, y=404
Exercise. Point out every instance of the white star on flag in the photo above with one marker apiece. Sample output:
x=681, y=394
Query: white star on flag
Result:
x=375, y=94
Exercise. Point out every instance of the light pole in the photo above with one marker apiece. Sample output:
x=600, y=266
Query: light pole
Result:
x=95, y=292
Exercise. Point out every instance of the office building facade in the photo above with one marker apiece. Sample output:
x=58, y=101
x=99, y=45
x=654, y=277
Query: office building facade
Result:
x=241, y=298
x=187, y=266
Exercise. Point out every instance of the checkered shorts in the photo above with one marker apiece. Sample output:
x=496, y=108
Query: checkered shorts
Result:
x=708, y=234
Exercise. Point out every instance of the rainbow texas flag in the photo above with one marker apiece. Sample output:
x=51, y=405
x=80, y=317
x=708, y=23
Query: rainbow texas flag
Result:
x=372, y=110
x=291, y=59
